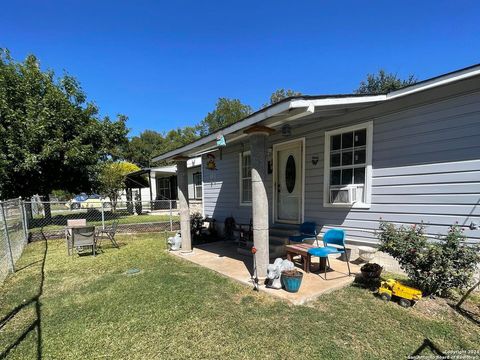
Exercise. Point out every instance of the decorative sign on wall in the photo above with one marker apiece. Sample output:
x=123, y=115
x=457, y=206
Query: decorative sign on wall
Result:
x=221, y=141
x=211, y=164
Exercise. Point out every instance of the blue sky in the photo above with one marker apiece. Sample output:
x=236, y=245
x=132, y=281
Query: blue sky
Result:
x=164, y=64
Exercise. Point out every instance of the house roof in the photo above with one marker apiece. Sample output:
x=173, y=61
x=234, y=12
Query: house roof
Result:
x=172, y=169
x=297, y=107
x=163, y=170
x=137, y=180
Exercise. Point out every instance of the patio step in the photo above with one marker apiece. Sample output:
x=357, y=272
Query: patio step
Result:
x=278, y=239
x=281, y=232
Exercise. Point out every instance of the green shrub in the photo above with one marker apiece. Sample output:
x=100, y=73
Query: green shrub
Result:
x=196, y=224
x=435, y=266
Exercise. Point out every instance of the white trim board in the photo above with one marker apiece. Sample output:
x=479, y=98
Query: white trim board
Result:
x=368, y=168
x=240, y=178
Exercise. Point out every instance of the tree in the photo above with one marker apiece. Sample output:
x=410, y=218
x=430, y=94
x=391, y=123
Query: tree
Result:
x=51, y=137
x=179, y=137
x=227, y=112
x=141, y=149
x=111, y=178
x=383, y=82
x=280, y=94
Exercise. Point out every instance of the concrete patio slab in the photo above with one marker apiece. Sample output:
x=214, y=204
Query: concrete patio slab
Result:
x=222, y=257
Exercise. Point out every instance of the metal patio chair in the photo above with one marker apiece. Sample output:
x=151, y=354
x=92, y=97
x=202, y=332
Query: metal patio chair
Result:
x=308, y=231
x=109, y=232
x=68, y=231
x=83, y=237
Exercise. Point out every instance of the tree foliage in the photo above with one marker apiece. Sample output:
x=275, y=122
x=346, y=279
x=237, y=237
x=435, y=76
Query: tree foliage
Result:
x=141, y=149
x=227, y=112
x=112, y=176
x=383, y=82
x=280, y=94
x=52, y=138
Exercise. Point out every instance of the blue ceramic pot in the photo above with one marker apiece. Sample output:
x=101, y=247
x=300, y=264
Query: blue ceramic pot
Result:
x=292, y=282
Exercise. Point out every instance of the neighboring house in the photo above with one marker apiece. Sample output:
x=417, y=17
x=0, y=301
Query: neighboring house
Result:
x=408, y=156
x=162, y=184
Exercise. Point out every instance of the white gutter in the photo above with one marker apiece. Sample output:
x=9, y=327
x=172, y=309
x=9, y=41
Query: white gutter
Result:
x=309, y=111
x=332, y=101
x=439, y=81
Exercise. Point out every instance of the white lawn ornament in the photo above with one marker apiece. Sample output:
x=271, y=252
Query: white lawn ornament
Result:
x=175, y=242
x=274, y=272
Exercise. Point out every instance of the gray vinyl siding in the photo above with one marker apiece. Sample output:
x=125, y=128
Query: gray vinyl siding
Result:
x=221, y=187
x=426, y=168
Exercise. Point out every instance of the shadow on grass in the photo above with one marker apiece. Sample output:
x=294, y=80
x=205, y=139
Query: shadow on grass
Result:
x=35, y=300
x=467, y=314
x=27, y=266
x=428, y=345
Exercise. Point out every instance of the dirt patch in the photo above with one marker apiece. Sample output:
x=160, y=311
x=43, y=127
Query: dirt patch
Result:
x=246, y=296
x=433, y=308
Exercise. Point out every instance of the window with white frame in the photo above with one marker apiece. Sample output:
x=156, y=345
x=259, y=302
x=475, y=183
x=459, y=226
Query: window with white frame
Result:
x=245, y=178
x=197, y=185
x=348, y=164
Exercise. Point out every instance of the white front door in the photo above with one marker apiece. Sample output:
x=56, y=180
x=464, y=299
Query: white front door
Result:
x=288, y=186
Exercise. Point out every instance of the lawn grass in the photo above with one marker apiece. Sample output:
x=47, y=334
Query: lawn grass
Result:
x=89, y=308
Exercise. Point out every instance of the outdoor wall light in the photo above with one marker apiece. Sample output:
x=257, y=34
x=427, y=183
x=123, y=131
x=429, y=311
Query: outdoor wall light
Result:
x=286, y=130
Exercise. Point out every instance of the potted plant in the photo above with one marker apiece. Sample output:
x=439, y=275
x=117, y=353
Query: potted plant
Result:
x=371, y=271
x=291, y=280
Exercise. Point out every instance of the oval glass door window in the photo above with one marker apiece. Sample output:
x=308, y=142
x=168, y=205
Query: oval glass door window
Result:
x=290, y=174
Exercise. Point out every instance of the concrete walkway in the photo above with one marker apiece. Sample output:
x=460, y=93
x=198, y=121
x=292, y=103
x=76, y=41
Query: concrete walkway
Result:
x=222, y=257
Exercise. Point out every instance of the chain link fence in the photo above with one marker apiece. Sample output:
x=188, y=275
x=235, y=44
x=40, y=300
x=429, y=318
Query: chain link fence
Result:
x=24, y=221
x=47, y=219
x=14, y=235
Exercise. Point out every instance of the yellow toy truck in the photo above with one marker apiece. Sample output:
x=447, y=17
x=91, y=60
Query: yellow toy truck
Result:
x=392, y=287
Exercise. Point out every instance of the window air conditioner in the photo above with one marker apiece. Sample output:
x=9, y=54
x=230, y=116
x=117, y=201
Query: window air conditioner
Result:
x=343, y=195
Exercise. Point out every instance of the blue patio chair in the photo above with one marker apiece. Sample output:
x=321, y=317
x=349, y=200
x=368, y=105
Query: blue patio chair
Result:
x=333, y=243
x=308, y=231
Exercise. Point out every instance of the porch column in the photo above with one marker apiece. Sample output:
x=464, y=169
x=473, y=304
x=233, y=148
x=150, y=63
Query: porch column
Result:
x=182, y=183
x=257, y=136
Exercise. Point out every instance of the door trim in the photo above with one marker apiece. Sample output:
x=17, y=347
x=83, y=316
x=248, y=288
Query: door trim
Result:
x=274, y=182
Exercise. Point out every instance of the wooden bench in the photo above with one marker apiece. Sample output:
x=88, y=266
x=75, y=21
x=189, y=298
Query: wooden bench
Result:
x=302, y=250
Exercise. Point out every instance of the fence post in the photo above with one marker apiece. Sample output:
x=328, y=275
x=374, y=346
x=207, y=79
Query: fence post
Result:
x=24, y=218
x=171, y=221
x=11, y=264
x=103, y=215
